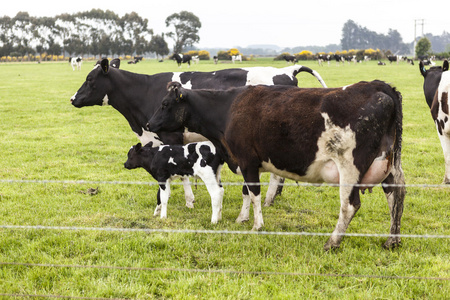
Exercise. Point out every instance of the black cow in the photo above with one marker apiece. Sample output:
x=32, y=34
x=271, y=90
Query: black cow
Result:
x=436, y=87
x=349, y=136
x=168, y=162
x=290, y=59
x=182, y=58
x=137, y=97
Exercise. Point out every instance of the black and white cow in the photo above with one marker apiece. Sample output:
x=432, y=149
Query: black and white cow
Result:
x=324, y=57
x=182, y=58
x=436, y=87
x=339, y=59
x=168, y=162
x=349, y=136
x=137, y=97
x=393, y=58
x=76, y=62
x=290, y=59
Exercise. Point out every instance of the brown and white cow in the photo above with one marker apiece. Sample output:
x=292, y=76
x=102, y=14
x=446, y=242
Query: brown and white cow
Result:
x=349, y=136
x=436, y=86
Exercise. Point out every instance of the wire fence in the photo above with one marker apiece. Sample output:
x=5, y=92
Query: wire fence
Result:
x=196, y=231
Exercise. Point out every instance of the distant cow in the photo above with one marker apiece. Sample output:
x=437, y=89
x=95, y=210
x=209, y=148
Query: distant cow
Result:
x=380, y=63
x=182, y=58
x=76, y=62
x=216, y=59
x=195, y=59
x=339, y=59
x=349, y=136
x=236, y=57
x=436, y=87
x=168, y=162
x=290, y=58
x=393, y=58
x=137, y=96
x=324, y=57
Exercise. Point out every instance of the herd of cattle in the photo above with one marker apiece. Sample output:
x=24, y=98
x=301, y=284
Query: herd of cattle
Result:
x=257, y=120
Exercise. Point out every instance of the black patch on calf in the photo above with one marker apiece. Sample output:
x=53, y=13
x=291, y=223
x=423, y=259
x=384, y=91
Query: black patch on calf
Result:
x=284, y=80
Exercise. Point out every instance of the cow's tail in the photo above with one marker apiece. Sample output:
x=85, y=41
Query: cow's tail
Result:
x=398, y=188
x=310, y=71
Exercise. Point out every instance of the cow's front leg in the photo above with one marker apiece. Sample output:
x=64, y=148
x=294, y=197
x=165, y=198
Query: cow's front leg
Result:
x=444, y=137
x=188, y=194
x=350, y=203
x=244, y=215
x=215, y=190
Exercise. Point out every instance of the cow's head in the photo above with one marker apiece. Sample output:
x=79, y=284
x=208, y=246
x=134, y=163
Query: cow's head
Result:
x=172, y=114
x=432, y=77
x=137, y=156
x=95, y=89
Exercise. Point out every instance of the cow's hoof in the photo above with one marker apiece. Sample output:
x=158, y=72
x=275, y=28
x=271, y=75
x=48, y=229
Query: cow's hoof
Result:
x=268, y=202
x=331, y=245
x=190, y=204
x=256, y=228
x=392, y=242
x=241, y=219
x=157, y=211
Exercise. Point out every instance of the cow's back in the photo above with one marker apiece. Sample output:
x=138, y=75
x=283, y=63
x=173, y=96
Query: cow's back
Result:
x=283, y=124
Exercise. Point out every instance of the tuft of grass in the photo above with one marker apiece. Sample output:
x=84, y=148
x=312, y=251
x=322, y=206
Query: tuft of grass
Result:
x=45, y=138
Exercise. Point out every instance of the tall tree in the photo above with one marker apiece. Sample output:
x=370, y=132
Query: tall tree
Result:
x=159, y=45
x=423, y=46
x=186, y=26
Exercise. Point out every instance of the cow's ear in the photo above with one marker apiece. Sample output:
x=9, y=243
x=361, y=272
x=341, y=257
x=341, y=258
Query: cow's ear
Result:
x=115, y=63
x=105, y=66
x=423, y=71
x=138, y=146
x=445, y=66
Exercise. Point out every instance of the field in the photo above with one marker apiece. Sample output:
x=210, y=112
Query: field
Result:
x=101, y=246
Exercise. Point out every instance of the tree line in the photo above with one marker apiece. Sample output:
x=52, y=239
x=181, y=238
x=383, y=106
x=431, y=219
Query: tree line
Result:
x=94, y=32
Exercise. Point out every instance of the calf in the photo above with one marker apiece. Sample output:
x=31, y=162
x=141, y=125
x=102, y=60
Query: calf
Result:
x=436, y=87
x=349, y=136
x=166, y=163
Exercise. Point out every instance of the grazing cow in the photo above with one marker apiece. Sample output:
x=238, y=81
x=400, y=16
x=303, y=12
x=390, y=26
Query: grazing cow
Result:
x=380, y=63
x=234, y=58
x=76, y=62
x=216, y=59
x=290, y=59
x=137, y=96
x=168, y=162
x=436, y=87
x=323, y=57
x=410, y=61
x=349, y=136
x=182, y=58
x=338, y=58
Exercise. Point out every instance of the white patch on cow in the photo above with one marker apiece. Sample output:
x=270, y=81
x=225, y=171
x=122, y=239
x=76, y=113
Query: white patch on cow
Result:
x=73, y=97
x=264, y=75
x=444, y=119
x=171, y=161
x=336, y=145
x=177, y=77
x=105, y=100
x=147, y=137
x=345, y=87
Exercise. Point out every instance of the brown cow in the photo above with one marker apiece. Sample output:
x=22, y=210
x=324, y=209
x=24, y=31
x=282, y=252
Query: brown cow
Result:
x=349, y=136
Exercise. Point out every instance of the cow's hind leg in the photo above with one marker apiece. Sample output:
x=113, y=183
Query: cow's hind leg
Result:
x=165, y=194
x=188, y=194
x=350, y=203
x=157, y=211
x=395, y=196
x=274, y=189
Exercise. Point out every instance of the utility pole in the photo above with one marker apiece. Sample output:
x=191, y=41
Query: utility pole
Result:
x=419, y=22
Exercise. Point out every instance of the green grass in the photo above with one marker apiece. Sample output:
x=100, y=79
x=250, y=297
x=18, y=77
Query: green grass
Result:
x=45, y=138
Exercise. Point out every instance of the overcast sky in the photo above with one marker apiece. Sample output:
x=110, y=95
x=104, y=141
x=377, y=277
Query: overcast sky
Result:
x=284, y=23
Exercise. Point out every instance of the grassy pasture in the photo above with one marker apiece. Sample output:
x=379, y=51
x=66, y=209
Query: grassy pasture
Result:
x=45, y=138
